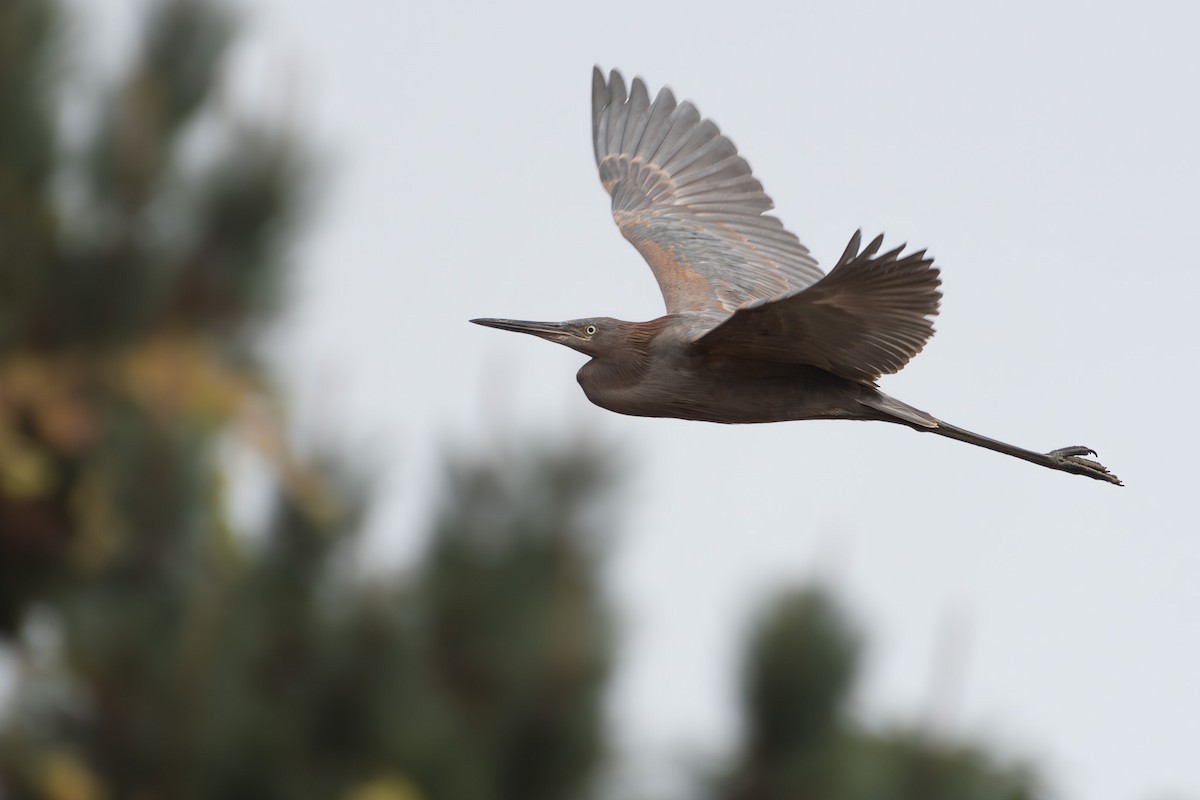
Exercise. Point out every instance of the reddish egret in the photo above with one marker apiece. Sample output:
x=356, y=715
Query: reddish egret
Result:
x=754, y=331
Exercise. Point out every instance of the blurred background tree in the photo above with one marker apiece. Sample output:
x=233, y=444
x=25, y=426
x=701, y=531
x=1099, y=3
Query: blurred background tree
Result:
x=164, y=654
x=799, y=740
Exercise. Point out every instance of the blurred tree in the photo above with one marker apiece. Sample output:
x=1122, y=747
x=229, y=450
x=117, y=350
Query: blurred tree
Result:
x=164, y=656
x=514, y=629
x=799, y=670
x=800, y=741
x=130, y=275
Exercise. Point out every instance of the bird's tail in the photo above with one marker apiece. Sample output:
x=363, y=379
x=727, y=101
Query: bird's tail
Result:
x=899, y=411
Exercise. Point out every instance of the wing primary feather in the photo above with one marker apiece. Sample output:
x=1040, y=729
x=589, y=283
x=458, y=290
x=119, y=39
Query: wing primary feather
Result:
x=699, y=187
x=730, y=168
x=712, y=156
x=687, y=118
x=722, y=199
x=698, y=142
x=618, y=110
x=890, y=255
x=872, y=248
x=657, y=126
x=851, y=248
x=600, y=107
x=639, y=106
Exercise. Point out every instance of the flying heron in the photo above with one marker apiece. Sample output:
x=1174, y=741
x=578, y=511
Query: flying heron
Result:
x=754, y=331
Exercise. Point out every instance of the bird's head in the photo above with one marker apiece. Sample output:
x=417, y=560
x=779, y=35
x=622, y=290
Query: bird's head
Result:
x=595, y=336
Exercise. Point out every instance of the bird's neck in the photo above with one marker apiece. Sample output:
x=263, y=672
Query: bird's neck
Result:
x=610, y=376
x=614, y=370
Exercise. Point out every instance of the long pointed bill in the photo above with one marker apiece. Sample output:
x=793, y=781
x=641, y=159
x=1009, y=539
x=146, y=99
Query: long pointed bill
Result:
x=545, y=330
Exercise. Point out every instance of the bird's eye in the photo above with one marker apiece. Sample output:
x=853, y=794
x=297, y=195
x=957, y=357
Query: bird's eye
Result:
x=590, y=330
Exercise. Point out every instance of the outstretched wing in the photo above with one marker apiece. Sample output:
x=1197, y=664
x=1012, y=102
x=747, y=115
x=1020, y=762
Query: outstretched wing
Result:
x=868, y=317
x=688, y=202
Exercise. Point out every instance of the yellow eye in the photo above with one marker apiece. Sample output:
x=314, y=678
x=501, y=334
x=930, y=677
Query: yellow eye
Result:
x=590, y=330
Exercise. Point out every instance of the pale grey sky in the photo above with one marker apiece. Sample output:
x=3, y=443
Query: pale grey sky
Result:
x=1047, y=153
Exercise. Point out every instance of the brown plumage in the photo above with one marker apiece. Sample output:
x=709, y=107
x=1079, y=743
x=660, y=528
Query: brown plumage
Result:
x=754, y=332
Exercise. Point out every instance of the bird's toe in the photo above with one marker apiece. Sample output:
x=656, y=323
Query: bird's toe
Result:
x=1071, y=459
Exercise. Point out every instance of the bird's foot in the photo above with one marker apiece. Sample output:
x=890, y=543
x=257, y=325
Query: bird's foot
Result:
x=1071, y=459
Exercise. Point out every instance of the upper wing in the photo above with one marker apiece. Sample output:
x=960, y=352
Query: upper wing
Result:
x=688, y=203
x=866, y=318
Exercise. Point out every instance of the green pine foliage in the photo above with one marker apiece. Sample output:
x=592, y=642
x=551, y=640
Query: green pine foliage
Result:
x=131, y=274
x=801, y=741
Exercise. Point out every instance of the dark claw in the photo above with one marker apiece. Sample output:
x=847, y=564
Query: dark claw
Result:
x=1070, y=459
x=1076, y=450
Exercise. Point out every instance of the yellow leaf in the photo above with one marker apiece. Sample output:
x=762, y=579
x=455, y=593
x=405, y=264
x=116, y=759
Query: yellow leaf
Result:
x=62, y=776
x=26, y=471
x=177, y=377
x=391, y=787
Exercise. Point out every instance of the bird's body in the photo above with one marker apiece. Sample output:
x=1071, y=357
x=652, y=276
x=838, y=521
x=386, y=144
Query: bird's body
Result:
x=674, y=379
x=693, y=388
x=754, y=331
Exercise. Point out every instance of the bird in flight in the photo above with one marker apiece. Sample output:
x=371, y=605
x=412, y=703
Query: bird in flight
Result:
x=754, y=331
